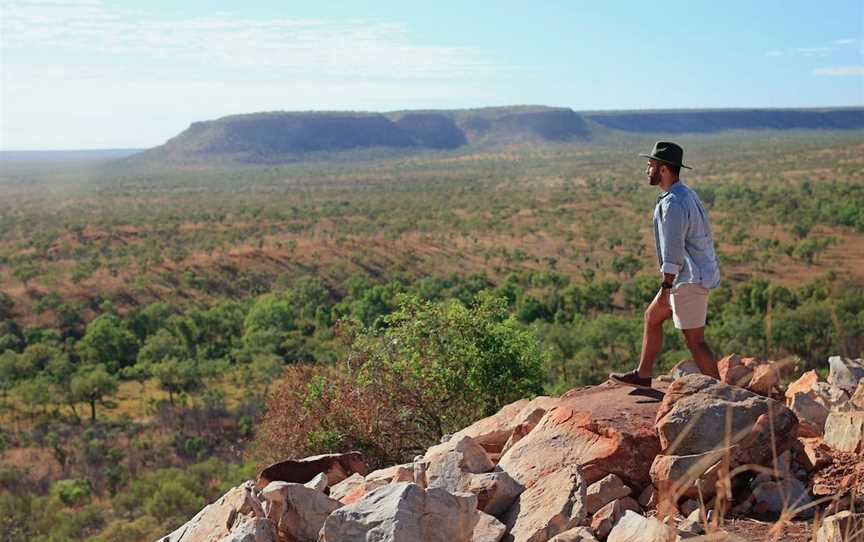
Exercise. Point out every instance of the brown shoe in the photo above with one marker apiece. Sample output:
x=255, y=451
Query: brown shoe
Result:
x=631, y=378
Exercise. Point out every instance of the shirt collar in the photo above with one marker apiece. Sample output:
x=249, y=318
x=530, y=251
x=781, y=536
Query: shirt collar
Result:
x=674, y=188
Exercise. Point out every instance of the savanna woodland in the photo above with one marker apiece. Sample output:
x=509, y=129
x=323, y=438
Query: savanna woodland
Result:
x=164, y=331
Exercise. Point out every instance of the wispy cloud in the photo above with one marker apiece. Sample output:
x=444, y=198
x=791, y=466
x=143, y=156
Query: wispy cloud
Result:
x=814, y=51
x=847, y=41
x=291, y=47
x=840, y=71
x=774, y=52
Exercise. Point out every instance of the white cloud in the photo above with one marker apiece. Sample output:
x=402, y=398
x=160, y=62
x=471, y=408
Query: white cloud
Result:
x=307, y=47
x=840, y=71
x=848, y=41
x=815, y=51
x=774, y=52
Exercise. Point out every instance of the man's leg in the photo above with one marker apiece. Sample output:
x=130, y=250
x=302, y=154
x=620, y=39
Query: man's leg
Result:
x=652, y=334
x=701, y=352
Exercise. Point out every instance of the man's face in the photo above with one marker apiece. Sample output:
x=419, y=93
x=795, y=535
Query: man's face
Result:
x=653, y=172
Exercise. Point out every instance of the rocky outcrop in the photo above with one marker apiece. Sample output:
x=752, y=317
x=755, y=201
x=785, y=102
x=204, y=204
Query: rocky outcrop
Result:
x=570, y=469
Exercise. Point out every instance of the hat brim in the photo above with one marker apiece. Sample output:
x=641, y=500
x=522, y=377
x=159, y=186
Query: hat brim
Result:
x=664, y=161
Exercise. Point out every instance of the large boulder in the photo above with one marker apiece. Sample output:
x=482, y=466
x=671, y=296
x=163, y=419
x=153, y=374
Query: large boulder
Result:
x=604, y=429
x=404, y=512
x=451, y=464
x=495, y=491
x=692, y=425
x=693, y=417
x=845, y=373
x=237, y=511
x=298, y=511
x=844, y=431
x=494, y=431
x=337, y=467
x=552, y=505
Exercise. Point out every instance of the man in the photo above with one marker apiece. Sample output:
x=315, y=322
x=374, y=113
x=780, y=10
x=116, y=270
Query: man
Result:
x=685, y=252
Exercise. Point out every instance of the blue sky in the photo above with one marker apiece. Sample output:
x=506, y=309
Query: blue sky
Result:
x=98, y=74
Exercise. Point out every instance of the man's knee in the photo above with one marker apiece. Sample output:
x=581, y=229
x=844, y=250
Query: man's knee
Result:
x=656, y=316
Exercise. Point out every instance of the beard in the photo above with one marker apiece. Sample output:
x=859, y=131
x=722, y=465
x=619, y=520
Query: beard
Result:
x=654, y=178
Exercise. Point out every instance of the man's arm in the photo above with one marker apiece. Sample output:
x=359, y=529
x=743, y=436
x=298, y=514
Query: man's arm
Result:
x=672, y=224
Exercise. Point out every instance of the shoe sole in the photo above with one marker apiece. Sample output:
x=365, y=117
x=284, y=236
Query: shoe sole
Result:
x=631, y=384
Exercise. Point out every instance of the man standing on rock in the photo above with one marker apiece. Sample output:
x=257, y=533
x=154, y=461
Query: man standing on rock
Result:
x=685, y=252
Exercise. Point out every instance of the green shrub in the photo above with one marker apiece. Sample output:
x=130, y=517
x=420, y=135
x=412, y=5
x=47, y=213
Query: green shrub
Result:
x=73, y=492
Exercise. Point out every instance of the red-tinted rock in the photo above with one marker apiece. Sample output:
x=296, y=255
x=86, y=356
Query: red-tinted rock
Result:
x=604, y=429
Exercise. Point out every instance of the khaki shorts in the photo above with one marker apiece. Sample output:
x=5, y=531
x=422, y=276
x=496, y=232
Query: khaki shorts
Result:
x=689, y=306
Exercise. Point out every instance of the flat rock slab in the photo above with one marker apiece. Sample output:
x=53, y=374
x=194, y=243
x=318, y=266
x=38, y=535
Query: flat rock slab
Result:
x=604, y=429
x=337, y=467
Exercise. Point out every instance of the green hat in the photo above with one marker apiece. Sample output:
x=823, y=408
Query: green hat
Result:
x=667, y=152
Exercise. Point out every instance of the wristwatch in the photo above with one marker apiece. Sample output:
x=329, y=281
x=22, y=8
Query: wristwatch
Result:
x=666, y=285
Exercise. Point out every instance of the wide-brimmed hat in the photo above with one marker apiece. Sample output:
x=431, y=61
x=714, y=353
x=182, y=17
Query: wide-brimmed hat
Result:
x=668, y=153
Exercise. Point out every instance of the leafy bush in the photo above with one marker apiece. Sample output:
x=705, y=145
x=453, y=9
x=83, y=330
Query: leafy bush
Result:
x=72, y=492
x=432, y=370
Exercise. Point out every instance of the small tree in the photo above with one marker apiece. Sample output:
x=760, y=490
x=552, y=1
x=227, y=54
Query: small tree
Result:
x=107, y=342
x=91, y=384
x=176, y=376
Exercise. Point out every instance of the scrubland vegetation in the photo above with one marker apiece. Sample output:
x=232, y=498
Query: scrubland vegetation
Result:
x=164, y=332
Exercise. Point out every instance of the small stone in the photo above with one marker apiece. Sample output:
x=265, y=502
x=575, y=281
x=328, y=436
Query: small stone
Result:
x=577, y=534
x=776, y=497
x=840, y=527
x=488, y=529
x=692, y=524
x=604, y=491
x=689, y=506
x=605, y=519
x=648, y=498
x=633, y=527
x=811, y=415
x=804, y=384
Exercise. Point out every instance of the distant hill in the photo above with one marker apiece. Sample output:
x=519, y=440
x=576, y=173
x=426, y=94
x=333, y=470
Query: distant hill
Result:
x=706, y=121
x=274, y=137
x=15, y=157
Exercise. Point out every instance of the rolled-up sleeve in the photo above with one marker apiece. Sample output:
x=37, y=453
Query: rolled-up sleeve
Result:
x=671, y=230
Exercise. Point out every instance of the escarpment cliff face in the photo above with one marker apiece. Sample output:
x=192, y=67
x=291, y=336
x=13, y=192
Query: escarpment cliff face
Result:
x=281, y=136
x=693, y=455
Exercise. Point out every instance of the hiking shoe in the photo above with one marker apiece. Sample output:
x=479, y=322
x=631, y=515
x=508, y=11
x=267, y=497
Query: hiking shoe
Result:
x=631, y=378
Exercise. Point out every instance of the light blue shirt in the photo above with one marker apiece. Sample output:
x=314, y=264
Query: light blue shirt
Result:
x=683, y=237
